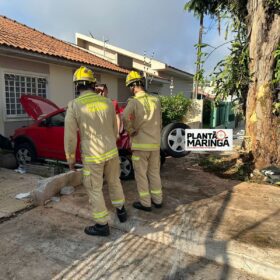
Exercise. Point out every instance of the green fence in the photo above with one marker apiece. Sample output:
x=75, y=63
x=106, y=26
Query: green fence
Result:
x=220, y=115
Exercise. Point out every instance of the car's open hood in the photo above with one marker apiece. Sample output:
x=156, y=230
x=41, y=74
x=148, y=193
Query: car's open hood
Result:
x=37, y=107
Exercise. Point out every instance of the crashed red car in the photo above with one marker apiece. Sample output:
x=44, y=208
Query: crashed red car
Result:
x=44, y=139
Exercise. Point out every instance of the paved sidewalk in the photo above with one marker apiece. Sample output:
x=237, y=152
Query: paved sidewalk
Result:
x=209, y=228
x=11, y=184
x=232, y=223
x=45, y=244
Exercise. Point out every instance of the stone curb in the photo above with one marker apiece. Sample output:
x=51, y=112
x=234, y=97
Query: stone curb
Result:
x=49, y=187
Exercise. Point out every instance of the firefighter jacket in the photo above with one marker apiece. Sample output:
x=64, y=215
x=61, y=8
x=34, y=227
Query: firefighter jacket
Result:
x=95, y=118
x=142, y=121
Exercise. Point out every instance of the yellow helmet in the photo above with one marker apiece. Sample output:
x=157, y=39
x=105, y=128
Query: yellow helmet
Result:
x=132, y=77
x=83, y=74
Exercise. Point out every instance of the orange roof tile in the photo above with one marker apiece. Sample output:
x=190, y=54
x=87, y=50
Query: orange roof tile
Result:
x=20, y=36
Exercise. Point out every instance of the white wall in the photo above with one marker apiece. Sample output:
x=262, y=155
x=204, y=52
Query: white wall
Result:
x=156, y=87
x=2, y=101
x=180, y=85
x=61, y=88
x=11, y=64
x=112, y=84
x=194, y=116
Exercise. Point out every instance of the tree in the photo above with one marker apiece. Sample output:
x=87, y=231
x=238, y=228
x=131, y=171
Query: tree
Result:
x=262, y=125
x=261, y=19
x=198, y=8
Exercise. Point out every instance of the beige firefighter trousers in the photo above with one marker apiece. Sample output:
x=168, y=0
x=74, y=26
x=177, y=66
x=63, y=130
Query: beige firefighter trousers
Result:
x=146, y=166
x=93, y=182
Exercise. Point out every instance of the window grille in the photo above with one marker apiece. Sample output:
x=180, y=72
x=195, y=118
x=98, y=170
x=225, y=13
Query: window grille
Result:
x=16, y=85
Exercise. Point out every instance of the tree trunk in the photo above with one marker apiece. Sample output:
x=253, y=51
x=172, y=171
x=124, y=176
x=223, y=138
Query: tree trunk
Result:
x=198, y=58
x=262, y=126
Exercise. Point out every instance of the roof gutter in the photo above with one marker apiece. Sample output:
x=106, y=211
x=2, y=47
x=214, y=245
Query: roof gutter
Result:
x=163, y=81
x=56, y=60
x=178, y=72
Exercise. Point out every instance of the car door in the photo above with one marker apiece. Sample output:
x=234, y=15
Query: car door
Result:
x=52, y=137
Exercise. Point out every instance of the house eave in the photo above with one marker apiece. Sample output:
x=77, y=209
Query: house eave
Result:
x=7, y=50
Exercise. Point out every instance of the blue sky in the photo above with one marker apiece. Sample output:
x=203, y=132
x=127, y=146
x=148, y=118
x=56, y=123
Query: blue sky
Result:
x=159, y=26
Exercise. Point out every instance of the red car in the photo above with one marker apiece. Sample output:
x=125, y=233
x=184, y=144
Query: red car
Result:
x=44, y=139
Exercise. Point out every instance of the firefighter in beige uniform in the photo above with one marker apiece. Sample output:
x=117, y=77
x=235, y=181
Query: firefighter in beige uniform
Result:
x=94, y=116
x=142, y=120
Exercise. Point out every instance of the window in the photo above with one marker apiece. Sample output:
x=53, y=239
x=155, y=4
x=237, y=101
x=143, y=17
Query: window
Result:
x=56, y=120
x=16, y=85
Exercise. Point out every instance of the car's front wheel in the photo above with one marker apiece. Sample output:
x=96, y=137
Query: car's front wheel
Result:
x=25, y=153
x=127, y=171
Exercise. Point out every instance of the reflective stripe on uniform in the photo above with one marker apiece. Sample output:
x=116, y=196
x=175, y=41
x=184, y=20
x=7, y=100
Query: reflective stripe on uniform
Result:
x=135, y=158
x=100, y=215
x=90, y=98
x=118, y=202
x=145, y=146
x=94, y=103
x=148, y=102
x=103, y=157
x=86, y=172
x=143, y=194
x=97, y=106
x=90, y=93
x=158, y=191
x=87, y=95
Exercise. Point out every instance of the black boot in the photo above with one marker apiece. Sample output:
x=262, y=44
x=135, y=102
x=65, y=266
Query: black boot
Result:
x=157, y=205
x=98, y=230
x=139, y=206
x=122, y=214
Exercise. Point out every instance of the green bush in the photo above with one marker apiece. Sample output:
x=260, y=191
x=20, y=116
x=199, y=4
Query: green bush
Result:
x=174, y=108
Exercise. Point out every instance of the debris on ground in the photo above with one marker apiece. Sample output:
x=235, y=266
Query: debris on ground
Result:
x=7, y=159
x=55, y=199
x=67, y=190
x=236, y=165
x=272, y=174
x=20, y=170
x=239, y=135
x=23, y=195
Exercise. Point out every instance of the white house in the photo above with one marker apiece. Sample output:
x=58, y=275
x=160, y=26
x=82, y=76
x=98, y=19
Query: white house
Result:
x=162, y=78
x=35, y=63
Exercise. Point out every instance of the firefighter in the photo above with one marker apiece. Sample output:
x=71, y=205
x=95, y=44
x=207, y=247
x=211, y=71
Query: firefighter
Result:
x=103, y=91
x=94, y=116
x=142, y=120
